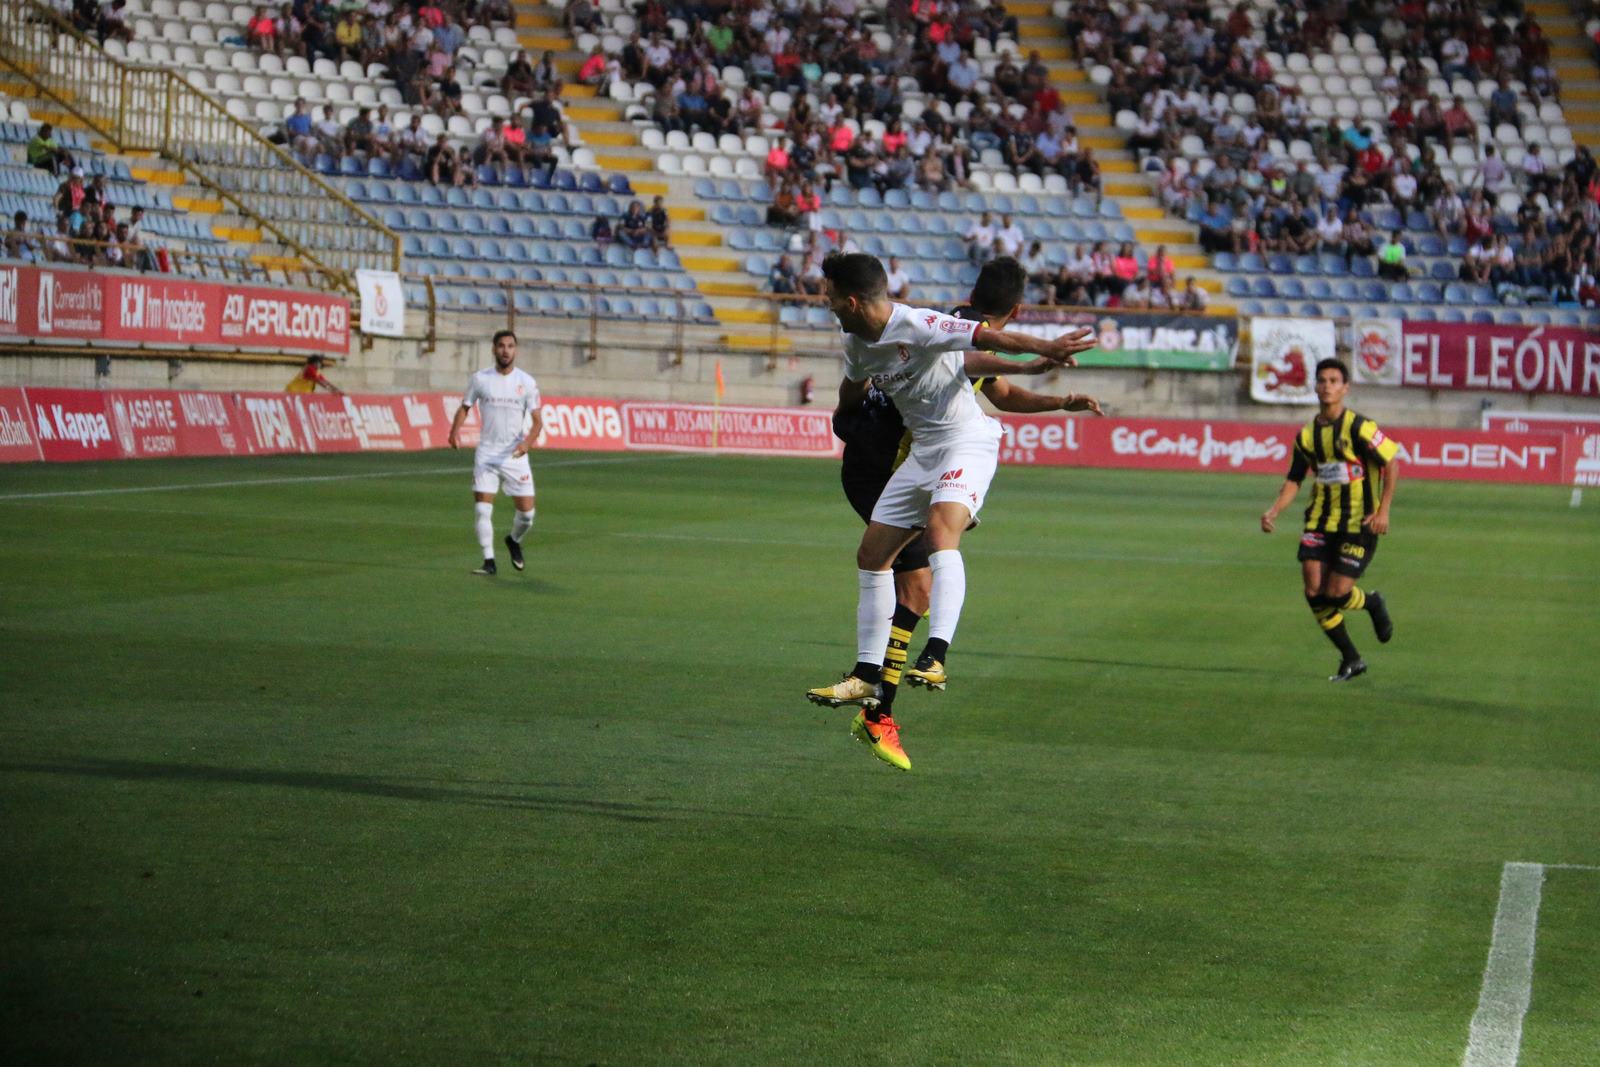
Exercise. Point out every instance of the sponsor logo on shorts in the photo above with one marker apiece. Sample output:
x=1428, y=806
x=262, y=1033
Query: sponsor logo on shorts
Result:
x=1311, y=540
x=1352, y=552
x=950, y=476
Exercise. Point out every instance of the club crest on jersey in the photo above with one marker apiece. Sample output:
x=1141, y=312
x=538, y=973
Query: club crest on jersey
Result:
x=905, y=352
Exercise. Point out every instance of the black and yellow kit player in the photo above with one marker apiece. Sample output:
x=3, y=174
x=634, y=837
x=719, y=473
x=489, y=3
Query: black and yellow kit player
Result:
x=1354, y=469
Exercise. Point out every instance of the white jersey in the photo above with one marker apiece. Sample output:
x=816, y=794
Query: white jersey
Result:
x=503, y=402
x=919, y=362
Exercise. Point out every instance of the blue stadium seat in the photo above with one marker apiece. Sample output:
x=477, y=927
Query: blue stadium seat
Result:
x=1319, y=288
x=1362, y=267
x=565, y=180
x=1292, y=288
x=1238, y=287
x=1312, y=311
x=1428, y=293
x=1263, y=287
x=1423, y=313
x=589, y=182
x=1450, y=313
x=1443, y=271
x=1375, y=292
x=619, y=185
x=1402, y=293
x=1275, y=307
x=1225, y=261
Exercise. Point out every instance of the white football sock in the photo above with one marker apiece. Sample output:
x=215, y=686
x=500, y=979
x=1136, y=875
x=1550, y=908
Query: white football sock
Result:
x=949, y=591
x=874, y=614
x=521, y=523
x=485, y=528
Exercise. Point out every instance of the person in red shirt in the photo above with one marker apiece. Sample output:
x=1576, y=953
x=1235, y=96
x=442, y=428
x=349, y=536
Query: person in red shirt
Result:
x=310, y=377
x=1458, y=123
x=1402, y=118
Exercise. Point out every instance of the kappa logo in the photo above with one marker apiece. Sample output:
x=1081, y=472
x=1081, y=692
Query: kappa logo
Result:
x=951, y=476
x=931, y=319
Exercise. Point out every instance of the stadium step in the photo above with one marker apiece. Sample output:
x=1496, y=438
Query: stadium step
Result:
x=760, y=342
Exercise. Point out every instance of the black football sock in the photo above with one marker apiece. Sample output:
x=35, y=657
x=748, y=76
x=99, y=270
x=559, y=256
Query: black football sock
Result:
x=867, y=672
x=1355, y=600
x=937, y=648
x=894, y=658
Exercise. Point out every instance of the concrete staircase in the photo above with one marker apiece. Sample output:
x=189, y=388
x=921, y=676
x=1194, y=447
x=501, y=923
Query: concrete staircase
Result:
x=1572, y=56
x=749, y=321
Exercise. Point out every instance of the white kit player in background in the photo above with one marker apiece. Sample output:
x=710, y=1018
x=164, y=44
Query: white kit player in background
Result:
x=506, y=398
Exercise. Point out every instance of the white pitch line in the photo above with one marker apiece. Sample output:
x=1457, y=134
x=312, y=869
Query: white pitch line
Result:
x=1495, y=1037
x=301, y=479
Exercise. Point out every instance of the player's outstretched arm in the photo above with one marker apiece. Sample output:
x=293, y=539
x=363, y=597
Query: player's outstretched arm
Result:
x=1286, y=497
x=1061, y=350
x=990, y=364
x=1017, y=400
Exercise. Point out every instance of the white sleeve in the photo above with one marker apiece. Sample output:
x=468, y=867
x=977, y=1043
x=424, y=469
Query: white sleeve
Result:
x=937, y=332
x=852, y=360
x=534, y=400
x=471, y=396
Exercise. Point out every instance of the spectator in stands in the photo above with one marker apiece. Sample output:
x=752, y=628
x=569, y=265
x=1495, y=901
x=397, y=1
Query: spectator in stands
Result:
x=1010, y=236
x=580, y=16
x=347, y=35
x=140, y=254
x=445, y=167
x=1357, y=237
x=545, y=75
x=19, y=244
x=633, y=230
x=96, y=197
x=776, y=166
x=359, y=135
x=540, y=151
x=1458, y=122
x=261, y=31
x=45, y=154
x=69, y=199
x=329, y=134
x=600, y=231
x=594, y=70
x=113, y=22
x=783, y=211
x=781, y=278
x=899, y=281
x=518, y=78
x=1392, y=259
x=446, y=96
x=660, y=223
x=1124, y=268
x=492, y=149
x=411, y=144
x=1193, y=297
x=979, y=237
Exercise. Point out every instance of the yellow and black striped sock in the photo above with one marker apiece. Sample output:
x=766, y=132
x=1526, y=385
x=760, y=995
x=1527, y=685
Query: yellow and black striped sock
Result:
x=1355, y=600
x=1326, y=610
x=894, y=657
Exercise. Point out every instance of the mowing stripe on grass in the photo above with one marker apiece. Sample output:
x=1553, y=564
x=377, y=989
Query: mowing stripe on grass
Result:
x=421, y=472
x=1495, y=1037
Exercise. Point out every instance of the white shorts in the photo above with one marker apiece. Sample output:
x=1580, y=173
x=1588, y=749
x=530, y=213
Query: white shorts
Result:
x=960, y=471
x=511, y=476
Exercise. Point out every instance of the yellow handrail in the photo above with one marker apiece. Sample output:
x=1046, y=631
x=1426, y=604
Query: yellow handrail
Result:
x=149, y=109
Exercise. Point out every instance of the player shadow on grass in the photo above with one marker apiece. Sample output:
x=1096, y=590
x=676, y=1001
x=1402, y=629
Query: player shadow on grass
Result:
x=987, y=654
x=356, y=784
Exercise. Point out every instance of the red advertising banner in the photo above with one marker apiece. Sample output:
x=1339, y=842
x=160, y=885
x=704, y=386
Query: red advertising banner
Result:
x=72, y=424
x=1501, y=358
x=1263, y=448
x=18, y=441
x=65, y=424
x=152, y=424
x=1541, y=422
x=45, y=304
x=705, y=428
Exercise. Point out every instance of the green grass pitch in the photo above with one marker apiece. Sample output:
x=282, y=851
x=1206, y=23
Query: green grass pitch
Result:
x=280, y=782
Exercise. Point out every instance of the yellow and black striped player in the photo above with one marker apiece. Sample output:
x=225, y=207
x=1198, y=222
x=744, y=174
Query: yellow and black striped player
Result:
x=1354, y=470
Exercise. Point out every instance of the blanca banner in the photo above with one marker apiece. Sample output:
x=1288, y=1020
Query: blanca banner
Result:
x=1153, y=339
x=383, y=303
x=1375, y=347
x=1502, y=359
x=1283, y=358
x=46, y=304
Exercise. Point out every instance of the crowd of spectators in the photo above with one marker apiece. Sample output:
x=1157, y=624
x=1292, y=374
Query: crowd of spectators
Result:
x=85, y=228
x=842, y=111
x=418, y=44
x=636, y=227
x=1185, y=74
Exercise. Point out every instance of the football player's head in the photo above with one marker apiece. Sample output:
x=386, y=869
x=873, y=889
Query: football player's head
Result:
x=856, y=282
x=998, y=292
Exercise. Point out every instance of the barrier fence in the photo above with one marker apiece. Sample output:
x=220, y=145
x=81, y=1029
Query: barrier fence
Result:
x=67, y=424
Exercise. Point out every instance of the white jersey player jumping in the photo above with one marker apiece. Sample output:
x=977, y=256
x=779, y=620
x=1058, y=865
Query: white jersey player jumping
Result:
x=922, y=360
x=505, y=398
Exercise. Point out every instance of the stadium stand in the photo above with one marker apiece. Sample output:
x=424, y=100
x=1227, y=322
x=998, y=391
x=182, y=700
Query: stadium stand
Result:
x=1436, y=130
x=37, y=227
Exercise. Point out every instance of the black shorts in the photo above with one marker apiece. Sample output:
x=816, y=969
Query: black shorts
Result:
x=863, y=492
x=1341, y=553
